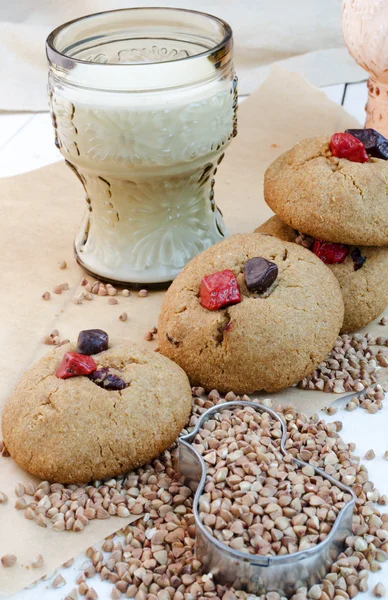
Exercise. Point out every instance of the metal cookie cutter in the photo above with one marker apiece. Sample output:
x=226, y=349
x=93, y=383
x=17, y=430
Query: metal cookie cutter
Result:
x=254, y=573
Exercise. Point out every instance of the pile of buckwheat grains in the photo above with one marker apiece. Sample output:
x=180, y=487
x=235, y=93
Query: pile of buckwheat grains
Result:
x=370, y=400
x=258, y=500
x=352, y=365
x=154, y=557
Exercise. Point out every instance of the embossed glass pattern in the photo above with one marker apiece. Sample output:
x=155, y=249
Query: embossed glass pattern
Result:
x=144, y=104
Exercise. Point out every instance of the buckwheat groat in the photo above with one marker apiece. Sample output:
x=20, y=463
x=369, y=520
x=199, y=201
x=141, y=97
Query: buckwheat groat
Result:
x=364, y=289
x=330, y=198
x=266, y=339
x=73, y=430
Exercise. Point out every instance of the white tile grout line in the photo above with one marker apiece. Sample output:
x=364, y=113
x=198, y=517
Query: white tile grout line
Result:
x=18, y=130
x=344, y=94
x=357, y=82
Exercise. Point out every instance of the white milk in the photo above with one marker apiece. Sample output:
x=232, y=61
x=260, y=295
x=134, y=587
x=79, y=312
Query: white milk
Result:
x=146, y=161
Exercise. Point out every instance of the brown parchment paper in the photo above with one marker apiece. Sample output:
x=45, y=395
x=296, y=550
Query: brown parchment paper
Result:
x=41, y=211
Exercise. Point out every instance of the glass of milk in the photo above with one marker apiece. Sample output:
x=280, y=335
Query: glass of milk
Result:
x=144, y=104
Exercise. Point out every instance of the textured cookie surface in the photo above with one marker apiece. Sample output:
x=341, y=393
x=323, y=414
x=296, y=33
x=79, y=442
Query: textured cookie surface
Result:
x=265, y=342
x=365, y=291
x=327, y=197
x=72, y=430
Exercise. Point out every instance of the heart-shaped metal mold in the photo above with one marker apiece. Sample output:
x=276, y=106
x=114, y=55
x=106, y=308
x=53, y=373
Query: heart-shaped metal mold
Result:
x=254, y=573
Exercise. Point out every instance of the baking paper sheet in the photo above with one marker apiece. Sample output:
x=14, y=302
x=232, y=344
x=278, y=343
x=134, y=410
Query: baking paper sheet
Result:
x=41, y=212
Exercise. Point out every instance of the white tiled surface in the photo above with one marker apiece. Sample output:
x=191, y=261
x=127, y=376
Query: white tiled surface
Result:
x=335, y=92
x=11, y=125
x=356, y=95
x=27, y=143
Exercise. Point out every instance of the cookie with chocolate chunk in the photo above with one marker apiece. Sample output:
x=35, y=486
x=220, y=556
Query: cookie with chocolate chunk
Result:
x=327, y=197
x=81, y=428
x=362, y=276
x=285, y=322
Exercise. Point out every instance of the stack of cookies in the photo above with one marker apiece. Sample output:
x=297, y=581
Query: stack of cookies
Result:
x=330, y=195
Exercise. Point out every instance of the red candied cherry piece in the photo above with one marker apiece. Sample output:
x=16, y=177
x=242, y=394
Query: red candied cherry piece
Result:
x=345, y=145
x=73, y=364
x=219, y=290
x=329, y=252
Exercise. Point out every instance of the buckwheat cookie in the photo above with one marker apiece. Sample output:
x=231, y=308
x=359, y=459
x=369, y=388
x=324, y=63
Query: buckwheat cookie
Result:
x=327, y=197
x=363, y=283
x=250, y=313
x=82, y=428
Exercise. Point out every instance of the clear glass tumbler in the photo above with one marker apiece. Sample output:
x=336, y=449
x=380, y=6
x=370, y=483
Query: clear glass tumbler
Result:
x=144, y=104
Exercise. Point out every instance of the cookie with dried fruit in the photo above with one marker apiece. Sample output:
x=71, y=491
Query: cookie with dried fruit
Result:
x=322, y=187
x=98, y=423
x=362, y=274
x=273, y=321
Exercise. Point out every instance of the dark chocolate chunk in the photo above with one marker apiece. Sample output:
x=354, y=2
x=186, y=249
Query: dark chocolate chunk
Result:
x=92, y=341
x=357, y=258
x=260, y=274
x=107, y=380
x=375, y=144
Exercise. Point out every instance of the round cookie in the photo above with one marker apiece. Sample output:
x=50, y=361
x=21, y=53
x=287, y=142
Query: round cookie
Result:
x=329, y=198
x=365, y=291
x=267, y=341
x=73, y=431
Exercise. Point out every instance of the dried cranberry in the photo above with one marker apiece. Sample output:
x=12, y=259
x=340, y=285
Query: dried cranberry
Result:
x=107, y=380
x=344, y=145
x=219, y=290
x=357, y=258
x=329, y=252
x=92, y=341
x=73, y=364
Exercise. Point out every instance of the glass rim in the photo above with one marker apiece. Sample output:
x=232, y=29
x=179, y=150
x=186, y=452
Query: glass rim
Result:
x=54, y=52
